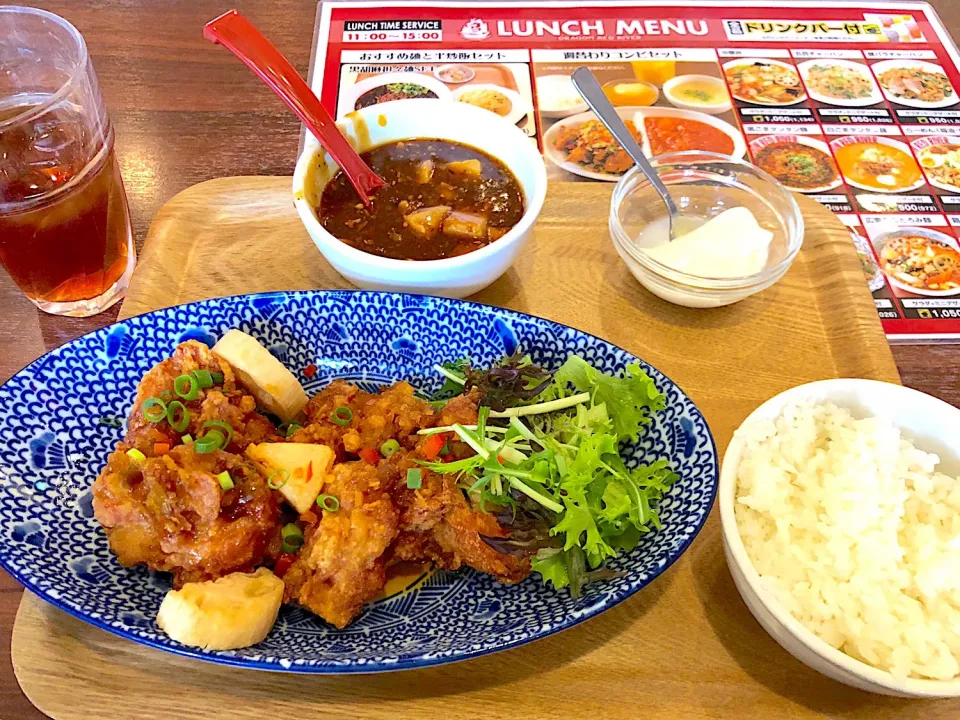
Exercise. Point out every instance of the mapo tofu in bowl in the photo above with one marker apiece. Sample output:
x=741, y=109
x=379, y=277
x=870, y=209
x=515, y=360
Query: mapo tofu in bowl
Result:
x=442, y=199
x=462, y=192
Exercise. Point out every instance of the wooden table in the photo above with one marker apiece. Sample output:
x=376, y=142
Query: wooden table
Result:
x=170, y=95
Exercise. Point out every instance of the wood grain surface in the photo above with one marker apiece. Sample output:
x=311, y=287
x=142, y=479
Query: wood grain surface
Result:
x=686, y=645
x=186, y=112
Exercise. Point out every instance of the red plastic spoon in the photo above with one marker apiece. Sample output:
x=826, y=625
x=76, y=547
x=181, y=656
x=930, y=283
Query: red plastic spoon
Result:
x=239, y=36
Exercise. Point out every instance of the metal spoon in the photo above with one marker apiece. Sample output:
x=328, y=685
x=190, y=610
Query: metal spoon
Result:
x=588, y=87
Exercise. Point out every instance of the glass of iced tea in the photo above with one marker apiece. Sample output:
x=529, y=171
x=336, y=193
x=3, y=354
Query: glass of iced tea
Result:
x=65, y=236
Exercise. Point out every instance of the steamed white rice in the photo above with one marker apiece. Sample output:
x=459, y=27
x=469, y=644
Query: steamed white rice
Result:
x=857, y=535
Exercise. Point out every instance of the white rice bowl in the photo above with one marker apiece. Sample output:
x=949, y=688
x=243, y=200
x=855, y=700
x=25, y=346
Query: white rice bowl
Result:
x=854, y=532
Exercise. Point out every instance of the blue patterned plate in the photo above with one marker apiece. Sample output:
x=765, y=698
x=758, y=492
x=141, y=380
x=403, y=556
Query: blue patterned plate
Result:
x=53, y=444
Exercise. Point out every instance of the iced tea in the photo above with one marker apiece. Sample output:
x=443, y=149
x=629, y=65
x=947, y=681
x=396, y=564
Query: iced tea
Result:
x=64, y=223
x=65, y=234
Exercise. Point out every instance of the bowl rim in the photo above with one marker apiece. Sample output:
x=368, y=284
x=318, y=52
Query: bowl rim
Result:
x=746, y=59
x=265, y=663
x=763, y=141
x=688, y=280
x=535, y=195
x=738, y=553
x=932, y=234
x=670, y=84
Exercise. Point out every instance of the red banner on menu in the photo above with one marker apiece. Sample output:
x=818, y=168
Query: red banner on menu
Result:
x=853, y=104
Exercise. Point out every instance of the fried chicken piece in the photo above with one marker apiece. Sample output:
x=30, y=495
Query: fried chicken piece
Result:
x=394, y=413
x=171, y=514
x=439, y=521
x=459, y=536
x=227, y=403
x=341, y=564
x=461, y=409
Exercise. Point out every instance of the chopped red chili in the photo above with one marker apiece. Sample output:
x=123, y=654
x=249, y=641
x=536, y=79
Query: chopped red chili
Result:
x=283, y=564
x=369, y=455
x=431, y=448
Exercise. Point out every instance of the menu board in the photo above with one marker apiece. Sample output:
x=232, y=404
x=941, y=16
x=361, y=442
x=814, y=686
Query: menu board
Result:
x=853, y=104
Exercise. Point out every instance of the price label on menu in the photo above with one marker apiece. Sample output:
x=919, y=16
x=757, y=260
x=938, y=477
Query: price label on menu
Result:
x=928, y=117
x=855, y=115
x=897, y=203
x=855, y=104
x=835, y=203
x=780, y=115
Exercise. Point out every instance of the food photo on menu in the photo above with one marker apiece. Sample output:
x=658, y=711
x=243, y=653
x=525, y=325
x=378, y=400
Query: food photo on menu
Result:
x=548, y=282
x=500, y=88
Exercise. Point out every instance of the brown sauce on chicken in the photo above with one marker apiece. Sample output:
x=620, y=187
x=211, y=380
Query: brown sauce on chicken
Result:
x=442, y=199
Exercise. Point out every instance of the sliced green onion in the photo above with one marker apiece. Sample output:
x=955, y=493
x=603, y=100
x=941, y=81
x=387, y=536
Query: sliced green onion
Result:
x=154, y=410
x=224, y=427
x=226, y=482
x=478, y=484
x=136, y=455
x=178, y=416
x=187, y=387
x=389, y=448
x=213, y=440
x=292, y=537
x=507, y=452
x=290, y=530
x=217, y=378
x=450, y=375
x=278, y=478
x=203, y=378
x=482, y=414
x=533, y=494
x=186, y=439
x=328, y=503
x=449, y=428
x=414, y=478
x=517, y=424
x=546, y=407
x=292, y=428
x=166, y=395
x=470, y=439
x=342, y=415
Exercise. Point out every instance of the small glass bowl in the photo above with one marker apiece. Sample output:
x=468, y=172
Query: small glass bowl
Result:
x=703, y=184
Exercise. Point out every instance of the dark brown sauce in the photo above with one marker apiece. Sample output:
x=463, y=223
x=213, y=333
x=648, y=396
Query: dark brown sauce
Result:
x=431, y=207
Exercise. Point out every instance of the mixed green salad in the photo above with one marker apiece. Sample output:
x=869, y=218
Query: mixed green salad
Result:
x=548, y=461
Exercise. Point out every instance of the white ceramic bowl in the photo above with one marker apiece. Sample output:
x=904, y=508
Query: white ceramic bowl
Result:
x=670, y=92
x=729, y=65
x=545, y=82
x=933, y=237
x=348, y=100
x=884, y=65
x=931, y=424
x=370, y=127
x=854, y=68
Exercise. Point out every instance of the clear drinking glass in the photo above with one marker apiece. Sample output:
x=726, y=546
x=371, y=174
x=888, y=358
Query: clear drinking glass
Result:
x=65, y=236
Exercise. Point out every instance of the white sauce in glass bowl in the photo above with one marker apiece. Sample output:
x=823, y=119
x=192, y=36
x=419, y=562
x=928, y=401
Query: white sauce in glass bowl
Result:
x=730, y=245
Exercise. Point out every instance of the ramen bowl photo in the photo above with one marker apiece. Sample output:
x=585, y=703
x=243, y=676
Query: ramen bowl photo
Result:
x=798, y=162
x=877, y=163
x=921, y=261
